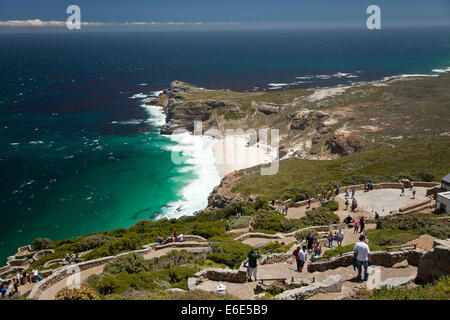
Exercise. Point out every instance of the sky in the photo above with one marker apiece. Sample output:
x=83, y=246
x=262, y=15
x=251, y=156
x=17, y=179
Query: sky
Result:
x=227, y=11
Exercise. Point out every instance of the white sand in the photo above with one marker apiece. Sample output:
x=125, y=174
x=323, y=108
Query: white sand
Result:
x=234, y=153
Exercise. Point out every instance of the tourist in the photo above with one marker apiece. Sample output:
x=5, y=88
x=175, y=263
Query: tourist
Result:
x=180, y=237
x=330, y=239
x=273, y=202
x=403, y=191
x=24, y=277
x=376, y=215
x=362, y=224
x=414, y=193
x=37, y=275
x=309, y=202
x=175, y=236
x=160, y=239
x=346, y=204
x=337, y=189
x=355, y=230
x=67, y=258
x=349, y=219
x=317, y=250
x=3, y=291
x=300, y=257
x=309, y=242
x=353, y=193
x=239, y=214
x=15, y=285
x=253, y=256
x=227, y=227
x=361, y=251
x=346, y=192
x=340, y=237
x=412, y=185
x=285, y=210
x=354, y=204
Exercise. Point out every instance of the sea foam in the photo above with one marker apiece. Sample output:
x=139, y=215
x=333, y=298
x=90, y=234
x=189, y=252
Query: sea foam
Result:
x=198, y=159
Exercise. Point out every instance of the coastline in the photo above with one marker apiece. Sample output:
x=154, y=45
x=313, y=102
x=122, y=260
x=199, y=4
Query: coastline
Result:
x=211, y=159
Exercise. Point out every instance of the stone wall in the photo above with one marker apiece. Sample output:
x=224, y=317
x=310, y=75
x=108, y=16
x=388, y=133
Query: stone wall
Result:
x=40, y=254
x=216, y=274
x=187, y=244
x=258, y=235
x=185, y=238
x=330, y=284
x=435, y=263
x=381, y=258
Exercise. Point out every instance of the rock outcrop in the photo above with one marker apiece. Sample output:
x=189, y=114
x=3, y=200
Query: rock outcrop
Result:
x=346, y=144
x=435, y=263
x=330, y=284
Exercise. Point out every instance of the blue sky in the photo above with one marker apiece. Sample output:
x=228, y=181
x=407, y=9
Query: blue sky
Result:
x=213, y=11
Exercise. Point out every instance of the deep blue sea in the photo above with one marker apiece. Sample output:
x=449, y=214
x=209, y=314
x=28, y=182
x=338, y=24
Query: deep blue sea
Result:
x=79, y=151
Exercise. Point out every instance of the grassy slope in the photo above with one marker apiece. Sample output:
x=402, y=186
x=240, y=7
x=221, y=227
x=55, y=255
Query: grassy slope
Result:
x=389, y=163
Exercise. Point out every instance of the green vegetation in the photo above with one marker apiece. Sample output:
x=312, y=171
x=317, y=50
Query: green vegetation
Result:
x=83, y=293
x=416, y=160
x=440, y=290
x=402, y=229
x=276, y=247
x=231, y=253
x=338, y=250
x=43, y=243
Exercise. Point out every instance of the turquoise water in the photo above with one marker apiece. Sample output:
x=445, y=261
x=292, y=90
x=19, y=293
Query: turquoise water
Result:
x=79, y=151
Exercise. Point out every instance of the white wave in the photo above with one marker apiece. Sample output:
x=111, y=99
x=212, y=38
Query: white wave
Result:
x=197, y=154
x=278, y=84
x=441, y=70
x=409, y=76
x=304, y=77
x=139, y=96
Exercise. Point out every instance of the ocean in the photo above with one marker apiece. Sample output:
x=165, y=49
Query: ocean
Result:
x=80, y=150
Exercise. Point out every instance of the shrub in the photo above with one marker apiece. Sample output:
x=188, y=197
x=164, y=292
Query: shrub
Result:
x=331, y=205
x=93, y=241
x=43, y=243
x=319, y=217
x=84, y=293
x=440, y=290
x=123, y=244
x=276, y=247
x=302, y=234
x=175, y=258
x=242, y=222
x=130, y=263
x=231, y=253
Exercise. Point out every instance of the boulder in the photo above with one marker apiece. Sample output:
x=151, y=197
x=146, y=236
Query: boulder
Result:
x=395, y=282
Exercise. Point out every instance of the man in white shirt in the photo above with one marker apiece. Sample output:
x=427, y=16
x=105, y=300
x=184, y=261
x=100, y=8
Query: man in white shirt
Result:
x=362, y=251
x=340, y=237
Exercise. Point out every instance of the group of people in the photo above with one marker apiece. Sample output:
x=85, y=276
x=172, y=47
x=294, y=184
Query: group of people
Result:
x=368, y=186
x=176, y=237
x=361, y=253
x=18, y=280
x=73, y=258
x=359, y=225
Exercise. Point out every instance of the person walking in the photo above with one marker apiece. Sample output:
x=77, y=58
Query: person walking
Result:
x=253, y=256
x=362, y=224
x=353, y=193
x=300, y=257
x=403, y=191
x=355, y=229
x=340, y=237
x=361, y=252
x=414, y=193
x=346, y=204
x=309, y=242
x=227, y=227
x=330, y=239
x=309, y=203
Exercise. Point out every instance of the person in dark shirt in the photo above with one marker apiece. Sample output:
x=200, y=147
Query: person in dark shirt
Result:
x=253, y=256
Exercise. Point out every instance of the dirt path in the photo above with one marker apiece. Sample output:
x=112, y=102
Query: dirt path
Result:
x=49, y=293
x=288, y=270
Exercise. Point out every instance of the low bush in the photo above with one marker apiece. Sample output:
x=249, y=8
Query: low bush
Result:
x=331, y=205
x=83, y=293
x=130, y=263
x=440, y=290
x=230, y=253
x=43, y=243
x=319, y=217
x=242, y=222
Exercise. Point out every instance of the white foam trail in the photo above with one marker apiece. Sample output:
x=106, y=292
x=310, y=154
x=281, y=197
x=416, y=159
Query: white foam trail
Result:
x=199, y=161
x=441, y=70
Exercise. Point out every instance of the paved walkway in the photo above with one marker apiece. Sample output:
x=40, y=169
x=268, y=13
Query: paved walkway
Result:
x=49, y=293
x=386, y=200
